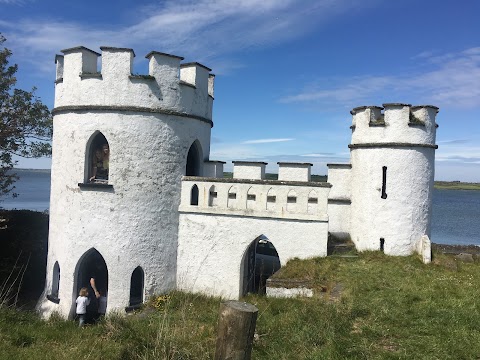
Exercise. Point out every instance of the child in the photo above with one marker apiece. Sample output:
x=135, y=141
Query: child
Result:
x=82, y=302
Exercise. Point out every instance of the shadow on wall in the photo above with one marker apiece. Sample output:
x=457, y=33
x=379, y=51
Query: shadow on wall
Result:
x=24, y=243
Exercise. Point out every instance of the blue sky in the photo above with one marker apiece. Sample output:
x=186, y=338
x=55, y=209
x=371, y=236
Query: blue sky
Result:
x=288, y=72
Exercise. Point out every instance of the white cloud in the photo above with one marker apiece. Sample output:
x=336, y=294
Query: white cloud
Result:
x=202, y=29
x=453, y=80
x=266, y=141
x=317, y=155
x=14, y=2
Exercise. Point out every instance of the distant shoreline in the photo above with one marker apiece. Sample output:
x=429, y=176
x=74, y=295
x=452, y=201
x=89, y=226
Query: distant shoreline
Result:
x=456, y=185
x=443, y=185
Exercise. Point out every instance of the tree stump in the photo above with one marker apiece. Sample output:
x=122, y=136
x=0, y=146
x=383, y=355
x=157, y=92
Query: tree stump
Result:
x=236, y=327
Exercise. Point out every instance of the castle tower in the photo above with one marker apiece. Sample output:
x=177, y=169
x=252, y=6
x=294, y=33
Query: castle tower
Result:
x=115, y=217
x=392, y=159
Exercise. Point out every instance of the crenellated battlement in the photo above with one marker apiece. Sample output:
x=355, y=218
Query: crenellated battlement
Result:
x=394, y=124
x=258, y=198
x=169, y=87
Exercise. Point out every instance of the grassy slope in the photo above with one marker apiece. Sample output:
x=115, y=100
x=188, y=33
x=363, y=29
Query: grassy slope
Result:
x=390, y=308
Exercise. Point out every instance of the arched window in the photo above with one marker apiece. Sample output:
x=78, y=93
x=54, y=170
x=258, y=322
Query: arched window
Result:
x=251, y=198
x=194, y=159
x=136, y=287
x=97, y=159
x=212, y=196
x=194, y=195
x=312, y=205
x=56, y=279
x=232, y=197
x=53, y=296
x=292, y=201
x=271, y=199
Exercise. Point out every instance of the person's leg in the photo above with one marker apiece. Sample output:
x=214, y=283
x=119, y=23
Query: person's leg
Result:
x=81, y=320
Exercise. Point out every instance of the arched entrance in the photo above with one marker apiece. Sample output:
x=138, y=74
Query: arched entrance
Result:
x=92, y=266
x=194, y=158
x=260, y=262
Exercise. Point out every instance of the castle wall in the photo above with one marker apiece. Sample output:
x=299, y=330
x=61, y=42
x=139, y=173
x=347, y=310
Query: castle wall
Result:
x=212, y=248
x=215, y=234
x=339, y=200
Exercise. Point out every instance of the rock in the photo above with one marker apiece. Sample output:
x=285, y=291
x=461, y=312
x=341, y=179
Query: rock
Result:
x=464, y=257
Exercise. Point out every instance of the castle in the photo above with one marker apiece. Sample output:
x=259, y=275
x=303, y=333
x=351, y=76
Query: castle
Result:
x=165, y=218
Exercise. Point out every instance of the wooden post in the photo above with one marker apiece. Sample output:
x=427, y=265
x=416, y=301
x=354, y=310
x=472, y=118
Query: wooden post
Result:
x=236, y=327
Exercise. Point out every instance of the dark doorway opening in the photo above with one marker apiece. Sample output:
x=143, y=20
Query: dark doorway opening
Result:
x=92, y=266
x=193, y=160
x=136, y=289
x=260, y=262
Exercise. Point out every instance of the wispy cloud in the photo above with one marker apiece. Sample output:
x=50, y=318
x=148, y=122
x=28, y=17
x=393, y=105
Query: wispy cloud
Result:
x=14, y=2
x=318, y=155
x=202, y=29
x=266, y=141
x=455, y=141
x=453, y=80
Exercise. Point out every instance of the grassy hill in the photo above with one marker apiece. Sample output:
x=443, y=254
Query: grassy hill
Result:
x=368, y=307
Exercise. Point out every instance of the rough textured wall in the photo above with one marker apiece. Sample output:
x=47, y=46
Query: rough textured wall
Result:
x=134, y=223
x=294, y=172
x=339, y=200
x=267, y=198
x=397, y=144
x=80, y=83
x=405, y=215
x=249, y=170
x=211, y=248
x=214, y=235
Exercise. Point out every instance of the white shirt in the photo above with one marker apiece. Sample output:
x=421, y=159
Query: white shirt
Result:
x=82, y=303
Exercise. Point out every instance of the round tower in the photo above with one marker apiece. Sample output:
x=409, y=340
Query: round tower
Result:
x=392, y=156
x=121, y=144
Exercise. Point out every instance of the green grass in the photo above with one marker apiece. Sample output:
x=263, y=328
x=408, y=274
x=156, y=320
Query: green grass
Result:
x=456, y=185
x=390, y=308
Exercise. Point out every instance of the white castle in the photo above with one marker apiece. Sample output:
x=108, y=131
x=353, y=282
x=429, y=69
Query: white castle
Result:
x=165, y=218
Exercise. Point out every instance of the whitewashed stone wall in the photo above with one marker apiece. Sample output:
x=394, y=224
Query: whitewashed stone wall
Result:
x=183, y=88
x=405, y=146
x=135, y=222
x=339, y=200
x=214, y=236
x=270, y=199
x=294, y=171
x=249, y=170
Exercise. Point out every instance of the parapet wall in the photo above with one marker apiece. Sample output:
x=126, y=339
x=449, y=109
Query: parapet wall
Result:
x=394, y=124
x=169, y=87
x=256, y=198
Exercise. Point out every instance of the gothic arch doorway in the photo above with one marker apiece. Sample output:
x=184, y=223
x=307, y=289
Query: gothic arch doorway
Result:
x=92, y=266
x=194, y=159
x=259, y=263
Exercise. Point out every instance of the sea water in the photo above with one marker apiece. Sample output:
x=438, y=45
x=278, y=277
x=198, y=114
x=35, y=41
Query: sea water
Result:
x=455, y=218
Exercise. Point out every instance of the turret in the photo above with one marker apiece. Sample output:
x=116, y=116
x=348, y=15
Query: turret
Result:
x=394, y=123
x=392, y=159
x=170, y=86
